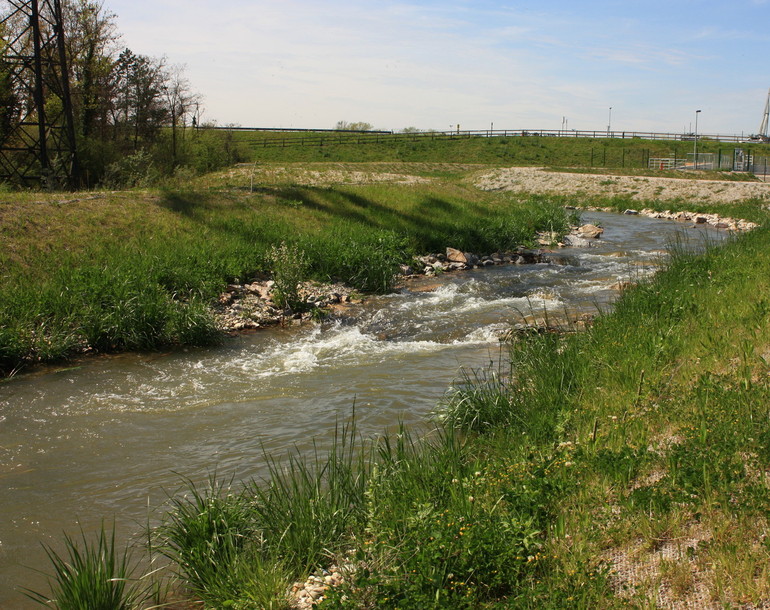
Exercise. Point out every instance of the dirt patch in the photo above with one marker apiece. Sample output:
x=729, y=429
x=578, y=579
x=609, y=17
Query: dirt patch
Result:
x=302, y=176
x=641, y=188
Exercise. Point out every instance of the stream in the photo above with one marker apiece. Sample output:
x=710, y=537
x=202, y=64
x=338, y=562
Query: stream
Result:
x=110, y=437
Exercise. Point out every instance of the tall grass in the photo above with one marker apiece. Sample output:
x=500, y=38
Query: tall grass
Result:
x=242, y=545
x=93, y=575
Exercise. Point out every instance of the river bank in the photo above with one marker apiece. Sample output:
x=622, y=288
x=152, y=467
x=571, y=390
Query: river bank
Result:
x=254, y=305
x=138, y=271
x=613, y=467
x=120, y=271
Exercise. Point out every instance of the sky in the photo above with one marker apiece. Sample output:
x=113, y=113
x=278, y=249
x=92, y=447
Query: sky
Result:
x=439, y=64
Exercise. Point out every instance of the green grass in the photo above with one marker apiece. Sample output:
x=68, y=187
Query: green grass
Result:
x=137, y=270
x=529, y=150
x=92, y=574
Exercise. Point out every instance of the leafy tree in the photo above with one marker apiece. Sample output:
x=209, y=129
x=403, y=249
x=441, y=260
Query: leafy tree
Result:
x=92, y=42
x=9, y=100
x=358, y=126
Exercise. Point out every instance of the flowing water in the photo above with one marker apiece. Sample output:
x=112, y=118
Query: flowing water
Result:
x=110, y=438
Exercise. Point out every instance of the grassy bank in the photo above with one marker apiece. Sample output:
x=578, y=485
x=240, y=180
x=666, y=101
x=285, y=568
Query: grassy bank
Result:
x=609, y=468
x=137, y=269
x=511, y=150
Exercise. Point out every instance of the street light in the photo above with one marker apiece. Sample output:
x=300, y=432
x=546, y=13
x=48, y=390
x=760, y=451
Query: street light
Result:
x=609, y=122
x=695, y=143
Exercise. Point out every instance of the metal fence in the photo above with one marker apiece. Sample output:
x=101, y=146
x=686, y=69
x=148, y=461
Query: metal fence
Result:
x=759, y=166
x=310, y=137
x=738, y=162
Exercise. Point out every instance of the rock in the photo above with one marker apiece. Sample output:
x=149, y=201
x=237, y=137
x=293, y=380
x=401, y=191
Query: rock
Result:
x=577, y=242
x=406, y=270
x=455, y=256
x=631, y=212
x=528, y=256
x=546, y=238
x=471, y=258
x=589, y=231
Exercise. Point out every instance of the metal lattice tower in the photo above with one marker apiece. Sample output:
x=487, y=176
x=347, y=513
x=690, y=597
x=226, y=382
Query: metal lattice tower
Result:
x=37, y=138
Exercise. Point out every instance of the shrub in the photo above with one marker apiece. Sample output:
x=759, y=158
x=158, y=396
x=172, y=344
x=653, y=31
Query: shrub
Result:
x=289, y=266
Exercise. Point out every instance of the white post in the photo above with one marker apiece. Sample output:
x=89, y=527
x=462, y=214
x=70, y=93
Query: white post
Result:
x=695, y=143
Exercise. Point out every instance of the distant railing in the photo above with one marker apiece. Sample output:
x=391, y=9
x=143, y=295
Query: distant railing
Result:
x=321, y=137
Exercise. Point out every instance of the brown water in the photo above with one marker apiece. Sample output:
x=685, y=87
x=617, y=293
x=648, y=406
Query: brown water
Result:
x=109, y=439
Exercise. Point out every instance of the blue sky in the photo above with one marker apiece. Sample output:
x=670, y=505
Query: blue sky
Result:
x=430, y=64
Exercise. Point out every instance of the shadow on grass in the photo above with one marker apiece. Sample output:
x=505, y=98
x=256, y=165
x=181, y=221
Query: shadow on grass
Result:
x=185, y=203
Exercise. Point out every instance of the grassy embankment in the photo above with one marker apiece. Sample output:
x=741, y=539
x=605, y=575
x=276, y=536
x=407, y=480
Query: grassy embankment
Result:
x=282, y=147
x=137, y=269
x=615, y=467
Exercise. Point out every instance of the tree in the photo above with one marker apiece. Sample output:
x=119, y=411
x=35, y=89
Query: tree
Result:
x=358, y=126
x=120, y=100
x=180, y=102
x=92, y=44
x=9, y=100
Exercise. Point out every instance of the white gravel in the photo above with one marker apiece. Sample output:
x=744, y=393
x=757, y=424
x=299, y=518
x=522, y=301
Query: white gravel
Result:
x=640, y=188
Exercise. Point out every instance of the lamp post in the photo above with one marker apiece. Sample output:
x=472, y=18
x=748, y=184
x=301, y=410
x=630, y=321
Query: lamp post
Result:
x=609, y=122
x=695, y=143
